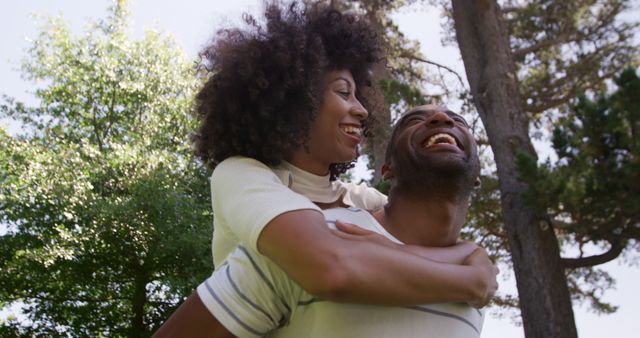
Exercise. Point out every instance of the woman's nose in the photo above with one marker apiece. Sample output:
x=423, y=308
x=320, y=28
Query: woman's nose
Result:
x=359, y=110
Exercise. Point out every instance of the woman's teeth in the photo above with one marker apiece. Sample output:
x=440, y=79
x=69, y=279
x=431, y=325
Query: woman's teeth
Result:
x=352, y=130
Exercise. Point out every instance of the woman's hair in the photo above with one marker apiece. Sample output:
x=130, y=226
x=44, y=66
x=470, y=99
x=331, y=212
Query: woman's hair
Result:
x=266, y=81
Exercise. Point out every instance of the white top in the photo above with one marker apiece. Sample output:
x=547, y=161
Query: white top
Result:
x=246, y=195
x=252, y=297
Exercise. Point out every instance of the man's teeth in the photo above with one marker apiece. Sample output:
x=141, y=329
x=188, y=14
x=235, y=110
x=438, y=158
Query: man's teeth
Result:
x=440, y=138
x=352, y=130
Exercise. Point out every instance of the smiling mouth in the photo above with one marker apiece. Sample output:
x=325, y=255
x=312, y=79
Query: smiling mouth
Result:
x=351, y=130
x=441, y=138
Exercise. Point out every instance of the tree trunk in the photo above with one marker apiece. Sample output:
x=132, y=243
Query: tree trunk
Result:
x=382, y=131
x=138, y=328
x=545, y=301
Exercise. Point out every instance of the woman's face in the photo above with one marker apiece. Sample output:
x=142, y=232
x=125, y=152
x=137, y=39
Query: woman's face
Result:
x=337, y=129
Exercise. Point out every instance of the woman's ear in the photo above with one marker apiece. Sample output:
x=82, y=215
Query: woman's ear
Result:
x=387, y=172
x=477, y=183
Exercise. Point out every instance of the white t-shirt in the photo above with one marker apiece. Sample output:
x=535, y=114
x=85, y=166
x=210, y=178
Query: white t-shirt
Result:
x=246, y=195
x=252, y=297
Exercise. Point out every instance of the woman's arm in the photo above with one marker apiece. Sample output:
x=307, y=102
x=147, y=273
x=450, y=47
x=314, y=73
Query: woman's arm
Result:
x=192, y=319
x=358, y=271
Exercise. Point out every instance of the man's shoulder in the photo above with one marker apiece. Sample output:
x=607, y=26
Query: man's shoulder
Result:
x=350, y=212
x=362, y=195
x=358, y=216
x=353, y=215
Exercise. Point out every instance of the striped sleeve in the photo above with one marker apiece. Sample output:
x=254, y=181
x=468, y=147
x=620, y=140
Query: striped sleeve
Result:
x=246, y=295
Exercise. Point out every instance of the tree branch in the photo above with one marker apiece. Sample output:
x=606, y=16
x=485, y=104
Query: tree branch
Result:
x=512, y=9
x=564, y=89
x=560, y=225
x=414, y=57
x=110, y=112
x=616, y=248
x=540, y=45
x=549, y=103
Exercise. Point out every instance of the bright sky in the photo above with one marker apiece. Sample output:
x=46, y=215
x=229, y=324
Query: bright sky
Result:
x=192, y=23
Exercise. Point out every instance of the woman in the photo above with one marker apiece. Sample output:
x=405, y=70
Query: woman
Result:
x=284, y=110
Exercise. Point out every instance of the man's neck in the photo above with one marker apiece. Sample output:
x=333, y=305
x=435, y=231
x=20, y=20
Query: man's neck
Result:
x=426, y=222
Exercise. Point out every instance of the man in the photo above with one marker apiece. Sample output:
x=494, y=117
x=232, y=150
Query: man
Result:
x=432, y=165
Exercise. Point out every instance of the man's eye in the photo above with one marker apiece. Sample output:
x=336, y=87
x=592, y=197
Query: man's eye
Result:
x=414, y=120
x=461, y=121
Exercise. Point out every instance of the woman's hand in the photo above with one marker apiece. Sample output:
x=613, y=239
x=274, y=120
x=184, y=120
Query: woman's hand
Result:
x=354, y=232
x=486, y=290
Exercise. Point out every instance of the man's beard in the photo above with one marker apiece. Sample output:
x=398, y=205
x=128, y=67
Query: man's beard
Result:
x=444, y=177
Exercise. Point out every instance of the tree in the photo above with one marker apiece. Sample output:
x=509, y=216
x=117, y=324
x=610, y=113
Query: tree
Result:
x=592, y=194
x=107, y=214
x=529, y=58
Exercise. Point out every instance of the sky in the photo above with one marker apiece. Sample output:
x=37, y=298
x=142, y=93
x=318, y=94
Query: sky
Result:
x=193, y=22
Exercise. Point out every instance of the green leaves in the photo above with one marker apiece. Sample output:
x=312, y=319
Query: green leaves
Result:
x=564, y=48
x=596, y=178
x=102, y=85
x=102, y=199
x=592, y=193
x=599, y=152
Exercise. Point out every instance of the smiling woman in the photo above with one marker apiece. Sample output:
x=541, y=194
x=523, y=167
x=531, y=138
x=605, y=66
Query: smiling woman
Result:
x=267, y=82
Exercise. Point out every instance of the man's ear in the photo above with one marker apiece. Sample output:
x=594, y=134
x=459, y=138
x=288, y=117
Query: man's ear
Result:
x=387, y=172
x=477, y=183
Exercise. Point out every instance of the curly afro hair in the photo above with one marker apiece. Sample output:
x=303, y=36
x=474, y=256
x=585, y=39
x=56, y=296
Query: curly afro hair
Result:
x=266, y=81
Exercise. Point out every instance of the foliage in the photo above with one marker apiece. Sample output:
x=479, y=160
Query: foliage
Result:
x=592, y=194
x=564, y=48
x=106, y=213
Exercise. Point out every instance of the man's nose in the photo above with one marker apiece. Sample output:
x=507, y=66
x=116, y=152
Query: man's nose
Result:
x=440, y=118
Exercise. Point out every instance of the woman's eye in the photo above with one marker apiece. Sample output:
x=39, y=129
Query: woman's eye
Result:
x=345, y=94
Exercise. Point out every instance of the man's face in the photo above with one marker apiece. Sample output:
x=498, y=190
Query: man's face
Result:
x=433, y=143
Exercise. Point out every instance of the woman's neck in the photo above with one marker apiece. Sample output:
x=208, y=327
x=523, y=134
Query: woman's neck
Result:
x=304, y=161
